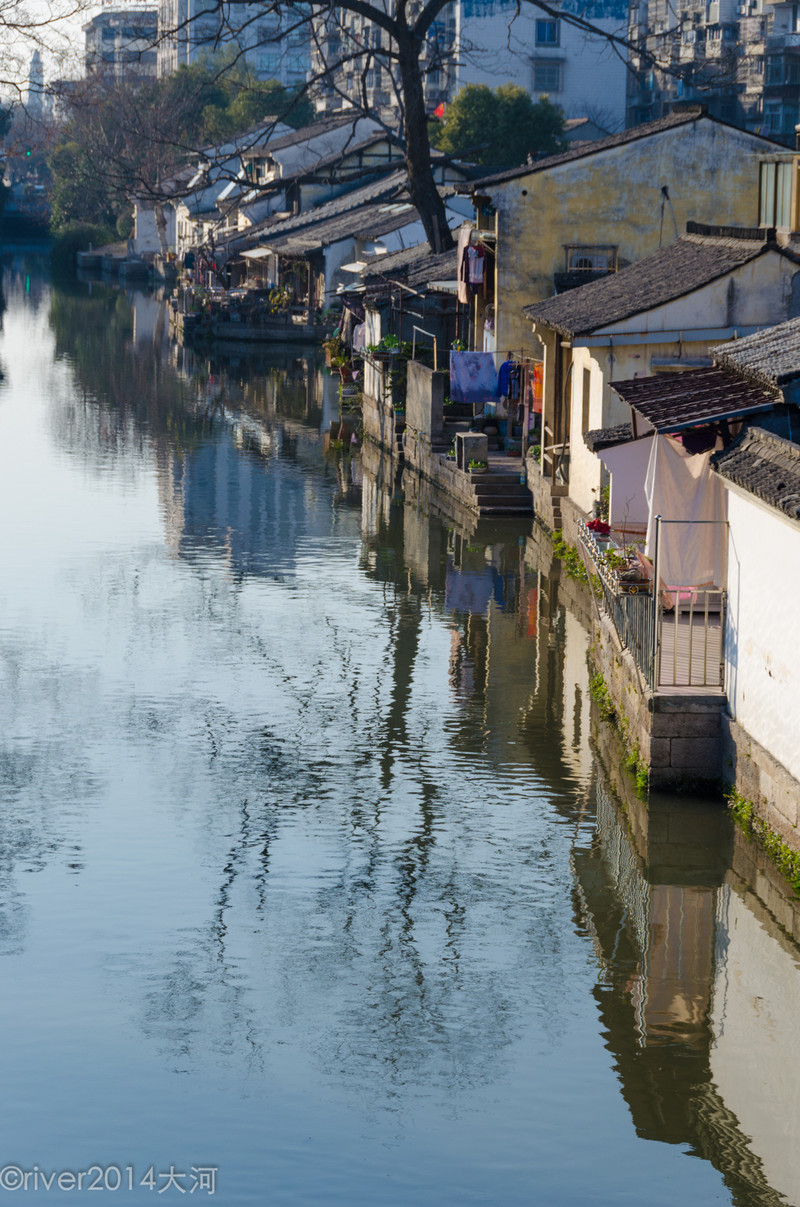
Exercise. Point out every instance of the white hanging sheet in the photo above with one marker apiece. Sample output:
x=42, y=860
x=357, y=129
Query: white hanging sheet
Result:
x=680, y=486
x=627, y=464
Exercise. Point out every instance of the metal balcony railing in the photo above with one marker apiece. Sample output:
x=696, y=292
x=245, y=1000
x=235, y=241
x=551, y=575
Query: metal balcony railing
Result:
x=675, y=635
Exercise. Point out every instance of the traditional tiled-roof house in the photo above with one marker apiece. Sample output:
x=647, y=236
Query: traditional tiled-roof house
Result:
x=658, y=316
x=761, y=473
x=602, y=205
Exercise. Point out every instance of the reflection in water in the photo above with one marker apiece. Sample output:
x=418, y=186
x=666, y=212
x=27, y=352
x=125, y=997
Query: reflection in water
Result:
x=333, y=889
x=650, y=893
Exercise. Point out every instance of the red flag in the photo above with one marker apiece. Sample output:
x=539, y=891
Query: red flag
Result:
x=439, y=110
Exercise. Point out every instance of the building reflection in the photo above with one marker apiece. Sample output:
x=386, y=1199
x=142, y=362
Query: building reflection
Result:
x=697, y=988
x=517, y=670
x=652, y=892
x=697, y=976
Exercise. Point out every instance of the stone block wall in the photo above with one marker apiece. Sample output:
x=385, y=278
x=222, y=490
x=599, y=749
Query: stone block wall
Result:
x=420, y=457
x=425, y=390
x=770, y=897
x=547, y=506
x=379, y=420
x=679, y=737
x=760, y=778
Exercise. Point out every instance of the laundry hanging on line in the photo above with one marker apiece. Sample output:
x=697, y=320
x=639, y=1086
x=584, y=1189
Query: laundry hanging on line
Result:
x=473, y=377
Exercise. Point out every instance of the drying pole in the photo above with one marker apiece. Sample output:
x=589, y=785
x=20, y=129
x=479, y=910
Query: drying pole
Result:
x=656, y=596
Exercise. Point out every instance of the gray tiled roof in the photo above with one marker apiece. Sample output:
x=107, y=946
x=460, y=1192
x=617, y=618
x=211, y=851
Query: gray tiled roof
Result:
x=607, y=437
x=671, y=401
x=692, y=261
x=581, y=150
x=387, y=188
x=771, y=356
x=415, y=266
x=765, y=465
x=306, y=133
x=367, y=221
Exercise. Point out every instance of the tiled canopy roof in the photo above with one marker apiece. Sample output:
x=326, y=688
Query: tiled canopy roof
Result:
x=671, y=401
x=415, y=266
x=765, y=465
x=366, y=221
x=771, y=356
x=607, y=437
x=686, y=265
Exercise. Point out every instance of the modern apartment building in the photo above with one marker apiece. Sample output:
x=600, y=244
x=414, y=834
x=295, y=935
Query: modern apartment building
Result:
x=482, y=42
x=741, y=58
x=273, y=44
x=122, y=42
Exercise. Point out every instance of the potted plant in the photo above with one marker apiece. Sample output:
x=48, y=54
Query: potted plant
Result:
x=334, y=349
x=478, y=467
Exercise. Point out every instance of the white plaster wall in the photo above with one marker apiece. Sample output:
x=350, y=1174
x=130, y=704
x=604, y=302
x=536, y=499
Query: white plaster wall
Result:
x=755, y=1057
x=145, y=234
x=606, y=408
x=762, y=654
x=584, y=467
x=303, y=155
x=256, y=211
x=499, y=49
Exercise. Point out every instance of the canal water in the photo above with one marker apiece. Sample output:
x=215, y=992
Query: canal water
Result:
x=315, y=885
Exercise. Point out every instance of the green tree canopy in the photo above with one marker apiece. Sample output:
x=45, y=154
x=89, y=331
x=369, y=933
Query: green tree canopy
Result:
x=499, y=127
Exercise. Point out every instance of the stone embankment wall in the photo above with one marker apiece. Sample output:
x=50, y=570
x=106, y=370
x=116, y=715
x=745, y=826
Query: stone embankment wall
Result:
x=425, y=429
x=378, y=408
x=677, y=737
x=758, y=777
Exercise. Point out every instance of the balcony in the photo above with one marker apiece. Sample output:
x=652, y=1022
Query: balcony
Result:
x=674, y=635
x=783, y=42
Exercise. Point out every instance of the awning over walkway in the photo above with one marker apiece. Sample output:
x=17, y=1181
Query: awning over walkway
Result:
x=670, y=402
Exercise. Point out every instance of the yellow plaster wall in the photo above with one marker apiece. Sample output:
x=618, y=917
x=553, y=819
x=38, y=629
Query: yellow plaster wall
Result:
x=614, y=197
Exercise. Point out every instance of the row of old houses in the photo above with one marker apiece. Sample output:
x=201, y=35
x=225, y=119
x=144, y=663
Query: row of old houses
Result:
x=653, y=278
x=646, y=284
x=288, y=208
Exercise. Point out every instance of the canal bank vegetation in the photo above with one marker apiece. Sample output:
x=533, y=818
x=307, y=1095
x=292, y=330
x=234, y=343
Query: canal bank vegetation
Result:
x=571, y=558
x=786, y=860
x=607, y=712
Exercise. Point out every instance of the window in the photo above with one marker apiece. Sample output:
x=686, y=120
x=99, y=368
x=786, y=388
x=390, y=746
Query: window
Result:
x=269, y=65
x=547, y=77
x=583, y=258
x=547, y=33
x=775, y=194
x=587, y=395
x=772, y=117
x=774, y=69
